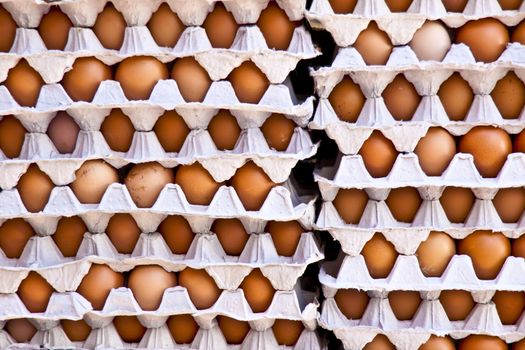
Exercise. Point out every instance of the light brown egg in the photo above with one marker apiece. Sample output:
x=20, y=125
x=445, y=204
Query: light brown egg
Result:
x=20, y=329
x=380, y=256
x=343, y=6
x=92, y=179
x=518, y=35
x=35, y=292
x=118, y=130
x=455, y=5
x=457, y=304
x=231, y=234
x=12, y=136
x=276, y=27
x=171, y=130
x=519, y=345
x=379, y=154
x=435, y=151
x=54, y=29
x=69, y=235
x=404, y=203
x=488, y=251
x=97, y=284
x=148, y=283
x=24, y=84
x=481, y=342
x=287, y=332
x=82, y=81
x=258, y=291
x=456, y=96
x=398, y=5
x=352, y=302
x=510, y=203
x=76, y=330
x=110, y=27
x=374, y=45
x=510, y=306
x=145, y=181
x=404, y=303
x=248, y=82
x=198, y=185
x=224, y=130
x=234, y=331
x=8, y=30
x=435, y=253
x=519, y=143
x=183, y=328
x=177, y=233
x=457, y=203
x=431, y=42
x=129, y=328
x=221, y=27
x=252, y=185
x=123, y=232
x=380, y=342
x=489, y=146
x=350, y=204
x=285, y=236
x=201, y=287
x=477, y=34
x=438, y=343
x=510, y=4
x=63, y=132
x=14, y=234
x=138, y=76
x=34, y=188
x=401, y=98
x=278, y=131
x=518, y=247
x=165, y=26
x=509, y=96
x=347, y=100
x=192, y=79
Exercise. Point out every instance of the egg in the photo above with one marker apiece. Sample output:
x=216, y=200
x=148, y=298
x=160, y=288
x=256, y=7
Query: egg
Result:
x=519, y=143
x=456, y=96
x=487, y=38
x=510, y=4
x=457, y=304
x=342, y=6
x=380, y=256
x=278, y=131
x=183, y=328
x=76, y=330
x=35, y=292
x=234, y=331
x=518, y=35
x=350, y=204
x=489, y=146
x=435, y=151
x=20, y=329
x=221, y=27
x=8, y=30
x=404, y=303
x=24, y=84
x=14, y=234
x=519, y=345
x=457, y=203
x=54, y=29
x=454, y=5
x=258, y=291
x=276, y=27
x=510, y=306
x=352, y=302
x=379, y=154
x=12, y=136
x=231, y=234
x=373, y=45
x=123, y=232
x=401, y=98
x=435, y=253
x=138, y=76
x=438, y=343
x=404, y=202
x=248, y=82
x=148, y=283
x=69, y=235
x=63, y=132
x=510, y=204
x=201, y=287
x=110, y=27
x=285, y=236
x=509, y=96
x=171, y=130
x=98, y=283
x=177, y=233
x=347, y=100
x=252, y=185
x=481, y=342
x=92, y=179
x=34, y=188
x=380, y=342
x=198, y=185
x=224, y=130
x=192, y=79
x=398, y=5
x=431, y=42
x=287, y=332
x=518, y=247
x=82, y=81
x=488, y=251
x=145, y=181
x=129, y=328
x=165, y=26
x=118, y=130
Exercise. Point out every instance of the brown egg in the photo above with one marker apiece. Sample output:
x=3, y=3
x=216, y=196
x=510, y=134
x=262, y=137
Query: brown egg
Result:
x=489, y=146
x=519, y=345
x=438, y=343
x=404, y=203
x=350, y=204
x=518, y=247
x=347, y=100
x=63, y=132
x=380, y=342
x=201, y=287
x=456, y=96
x=510, y=203
x=276, y=27
x=481, y=342
x=398, y=5
x=374, y=45
x=35, y=292
x=82, y=81
x=379, y=154
x=223, y=19
x=285, y=236
x=249, y=82
x=509, y=96
x=488, y=251
x=252, y=185
x=198, y=185
x=20, y=329
x=519, y=143
x=118, y=130
x=431, y=42
x=110, y=27
x=224, y=130
x=165, y=26
x=76, y=330
x=148, y=283
x=138, y=76
x=234, y=331
x=145, y=181
x=380, y=256
x=231, y=235
x=476, y=34
x=171, y=130
x=12, y=136
x=343, y=6
x=34, y=188
x=69, y=235
x=287, y=332
x=518, y=35
x=404, y=303
x=92, y=179
x=54, y=29
x=193, y=80
x=352, y=302
x=457, y=203
x=123, y=232
x=435, y=151
x=457, y=304
x=129, y=328
x=401, y=98
x=97, y=284
x=510, y=306
x=435, y=253
x=258, y=291
x=510, y=4
x=183, y=328
x=14, y=234
x=278, y=131
x=24, y=84
x=8, y=30
x=455, y=5
x=177, y=233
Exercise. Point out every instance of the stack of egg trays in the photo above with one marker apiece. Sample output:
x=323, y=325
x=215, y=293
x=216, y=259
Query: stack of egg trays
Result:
x=285, y=202
x=349, y=270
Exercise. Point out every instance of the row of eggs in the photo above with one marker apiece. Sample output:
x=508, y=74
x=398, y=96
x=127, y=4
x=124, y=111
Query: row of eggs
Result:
x=347, y=6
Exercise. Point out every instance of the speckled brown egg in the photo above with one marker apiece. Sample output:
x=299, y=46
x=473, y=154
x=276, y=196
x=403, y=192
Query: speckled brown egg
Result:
x=248, y=82
x=129, y=328
x=69, y=235
x=398, y=5
x=352, y=302
x=148, y=283
x=201, y=287
x=20, y=329
x=97, y=284
x=454, y=5
x=509, y=96
x=379, y=154
x=380, y=256
x=171, y=130
x=347, y=100
x=404, y=303
x=82, y=81
x=110, y=27
x=487, y=38
x=481, y=342
x=54, y=29
x=431, y=42
x=456, y=96
x=510, y=305
x=287, y=332
x=518, y=35
x=234, y=331
x=252, y=185
x=138, y=76
x=404, y=202
x=63, y=132
x=350, y=204
x=278, y=131
x=35, y=292
x=12, y=136
x=14, y=234
x=8, y=30
x=76, y=330
x=374, y=45
x=457, y=203
x=34, y=188
x=401, y=98
x=118, y=130
x=231, y=234
x=198, y=185
x=457, y=304
x=183, y=328
x=435, y=253
x=285, y=236
x=92, y=179
x=510, y=203
x=276, y=27
x=438, y=343
x=221, y=27
x=123, y=232
x=177, y=233
x=224, y=130
x=165, y=26
x=510, y=4
x=435, y=151
x=24, y=84
x=192, y=79
x=343, y=6
x=145, y=181
x=258, y=291
x=380, y=342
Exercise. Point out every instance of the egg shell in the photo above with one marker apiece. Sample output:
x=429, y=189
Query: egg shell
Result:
x=457, y=304
x=231, y=235
x=519, y=143
x=97, y=284
x=457, y=203
x=165, y=26
x=350, y=204
x=129, y=328
x=519, y=345
x=380, y=342
x=14, y=235
x=201, y=287
x=54, y=29
x=177, y=233
x=401, y=98
x=20, y=329
x=518, y=35
x=510, y=204
x=276, y=27
x=183, y=328
x=63, y=132
x=35, y=291
x=145, y=181
x=352, y=302
x=518, y=247
x=379, y=154
x=222, y=19
x=198, y=185
x=398, y=5
x=287, y=332
x=438, y=343
x=92, y=179
x=118, y=130
x=431, y=42
x=12, y=135
x=509, y=96
x=347, y=100
x=123, y=232
x=510, y=4
x=481, y=342
x=374, y=45
x=404, y=202
x=343, y=6
x=234, y=331
x=69, y=235
x=138, y=76
x=76, y=330
x=258, y=291
x=435, y=253
x=435, y=151
x=404, y=303
x=224, y=130
x=455, y=5
x=252, y=185
x=278, y=131
x=380, y=256
x=8, y=29
x=193, y=80
x=285, y=236
x=248, y=82
x=82, y=81
x=148, y=283
x=477, y=33
x=110, y=27
x=510, y=306
x=171, y=130
x=24, y=84
x=35, y=188
x=456, y=97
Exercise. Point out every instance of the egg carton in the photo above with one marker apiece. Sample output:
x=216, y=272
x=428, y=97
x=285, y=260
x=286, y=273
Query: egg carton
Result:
x=400, y=27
